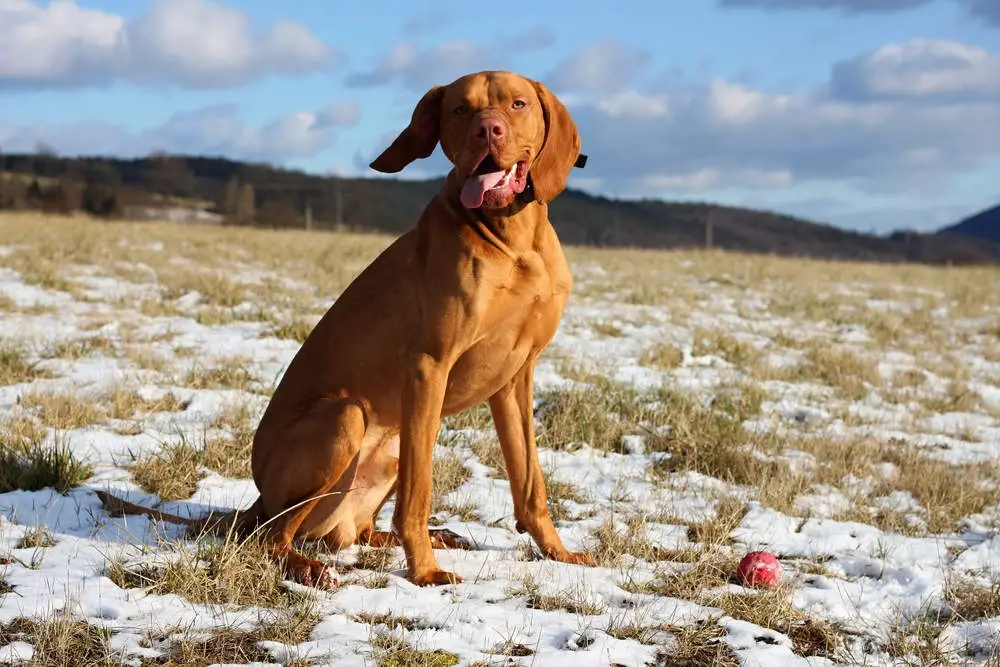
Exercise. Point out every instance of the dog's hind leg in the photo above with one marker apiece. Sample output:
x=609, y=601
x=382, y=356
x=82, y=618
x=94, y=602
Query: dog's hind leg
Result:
x=318, y=457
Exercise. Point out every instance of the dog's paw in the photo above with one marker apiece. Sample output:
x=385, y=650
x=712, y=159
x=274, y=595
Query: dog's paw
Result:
x=435, y=578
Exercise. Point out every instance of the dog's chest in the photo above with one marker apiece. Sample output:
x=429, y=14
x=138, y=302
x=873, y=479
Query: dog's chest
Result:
x=525, y=314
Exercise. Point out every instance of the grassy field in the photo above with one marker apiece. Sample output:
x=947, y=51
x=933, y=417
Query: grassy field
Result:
x=693, y=406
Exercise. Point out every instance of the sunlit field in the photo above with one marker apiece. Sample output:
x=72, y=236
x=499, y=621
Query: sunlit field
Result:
x=693, y=406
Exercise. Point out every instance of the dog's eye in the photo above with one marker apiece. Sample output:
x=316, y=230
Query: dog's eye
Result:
x=519, y=104
x=461, y=109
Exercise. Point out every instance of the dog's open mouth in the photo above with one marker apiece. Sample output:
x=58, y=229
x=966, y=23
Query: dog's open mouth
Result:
x=492, y=184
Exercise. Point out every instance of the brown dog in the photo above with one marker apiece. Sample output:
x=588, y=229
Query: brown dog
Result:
x=454, y=313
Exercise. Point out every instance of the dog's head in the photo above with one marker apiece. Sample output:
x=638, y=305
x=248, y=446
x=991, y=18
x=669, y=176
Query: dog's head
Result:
x=496, y=128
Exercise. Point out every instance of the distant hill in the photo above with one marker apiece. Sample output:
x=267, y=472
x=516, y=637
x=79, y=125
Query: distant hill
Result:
x=262, y=195
x=984, y=225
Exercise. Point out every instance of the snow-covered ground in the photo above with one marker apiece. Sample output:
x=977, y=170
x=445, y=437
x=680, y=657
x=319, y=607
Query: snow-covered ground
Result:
x=890, y=564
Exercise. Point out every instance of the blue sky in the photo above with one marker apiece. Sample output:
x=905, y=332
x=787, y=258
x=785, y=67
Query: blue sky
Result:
x=869, y=114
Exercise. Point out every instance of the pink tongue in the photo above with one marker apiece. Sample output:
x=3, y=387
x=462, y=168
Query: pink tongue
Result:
x=476, y=186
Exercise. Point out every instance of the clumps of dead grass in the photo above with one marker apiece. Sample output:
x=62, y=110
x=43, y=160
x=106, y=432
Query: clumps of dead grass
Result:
x=216, y=571
x=740, y=353
x=973, y=600
x=78, y=348
x=487, y=450
x=16, y=366
x=700, y=645
x=612, y=543
x=558, y=492
x=946, y=492
x=662, y=355
x=574, y=599
x=849, y=374
x=37, y=538
x=917, y=640
x=295, y=329
x=597, y=414
x=62, y=641
x=29, y=462
x=448, y=475
x=62, y=410
x=172, y=473
x=709, y=437
x=229, y=451
x=121, y=402
x=390, y=648
x=772, y=609
x=478, y=417
x=957, y=397
x=233, y=646
x=227, y=373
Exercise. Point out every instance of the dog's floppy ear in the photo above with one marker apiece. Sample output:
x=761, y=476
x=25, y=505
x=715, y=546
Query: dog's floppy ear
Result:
x=418, y=139
x=559, y=151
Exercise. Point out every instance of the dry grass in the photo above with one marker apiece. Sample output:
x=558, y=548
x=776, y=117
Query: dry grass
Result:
x=122, y=402
x=63, y=410
x=15, y=367
x=917, y=641
x=171, y=473
x=849, y=374
x=448, y=475
x=948, y=493
x=574, y=599
x=30, y=463
x=612, y=544
x=710, y=439
x=297, y=330
x=390, y=649
x=488, y=451
x=596, y=415
x=78, y=348
x=662, y=355
x=227, y=373
x=62, y=641
x=232, y=646
x=772, y=609
x=36, y=538
x=216, y=571
x=972, y=600
x=721, y=344
x=607, y=329
x=558, y=492
x=700, y=645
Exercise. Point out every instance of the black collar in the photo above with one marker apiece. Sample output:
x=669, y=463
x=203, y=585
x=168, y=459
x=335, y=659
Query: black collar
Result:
x=527, y=195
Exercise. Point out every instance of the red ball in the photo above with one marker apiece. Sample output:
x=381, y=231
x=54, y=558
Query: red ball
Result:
x=759, y=569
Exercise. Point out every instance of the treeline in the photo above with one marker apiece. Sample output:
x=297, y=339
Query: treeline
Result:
x=242, y=193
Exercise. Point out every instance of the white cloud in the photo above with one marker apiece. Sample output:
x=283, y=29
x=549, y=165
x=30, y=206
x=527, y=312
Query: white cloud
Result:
x=749, y=138
x=197, y=43
x=215, y=130
x=418, y=68
x=919, y=68
x=602, y=66
x=986, y=10
x=853, y=6
x=906, y=118
x=912, y=131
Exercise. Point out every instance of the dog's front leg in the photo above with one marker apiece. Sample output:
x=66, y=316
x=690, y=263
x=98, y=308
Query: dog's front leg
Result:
x=423, y=397
x=513, y=414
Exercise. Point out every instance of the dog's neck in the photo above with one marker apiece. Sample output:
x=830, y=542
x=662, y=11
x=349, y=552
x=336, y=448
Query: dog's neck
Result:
x=513, y=228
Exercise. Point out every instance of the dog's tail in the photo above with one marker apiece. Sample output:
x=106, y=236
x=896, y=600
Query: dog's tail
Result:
x=238, y=522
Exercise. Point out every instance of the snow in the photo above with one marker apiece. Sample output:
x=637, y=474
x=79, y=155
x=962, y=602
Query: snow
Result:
x=870, y=578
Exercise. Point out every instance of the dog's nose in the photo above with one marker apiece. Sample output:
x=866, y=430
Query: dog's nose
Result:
x=490, y=128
